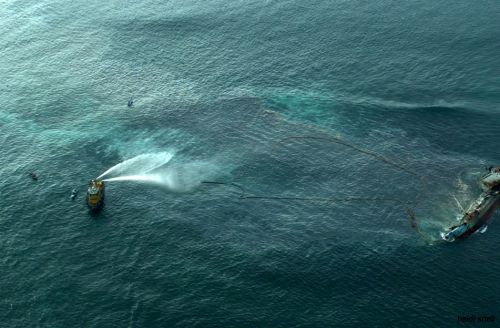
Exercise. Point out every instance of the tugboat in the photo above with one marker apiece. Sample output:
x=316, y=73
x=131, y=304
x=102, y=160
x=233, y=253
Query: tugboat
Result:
x=480, y=211
x=95, y=195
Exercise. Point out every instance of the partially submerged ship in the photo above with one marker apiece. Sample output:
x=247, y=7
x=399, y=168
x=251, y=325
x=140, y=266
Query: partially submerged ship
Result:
x=95, y=195
x=480, y=211
x=491, y=180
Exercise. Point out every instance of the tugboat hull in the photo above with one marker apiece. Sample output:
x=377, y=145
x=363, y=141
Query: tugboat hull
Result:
x=95, y=195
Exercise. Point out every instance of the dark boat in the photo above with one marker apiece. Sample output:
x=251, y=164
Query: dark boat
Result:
x=478, y=212
x=95, y=195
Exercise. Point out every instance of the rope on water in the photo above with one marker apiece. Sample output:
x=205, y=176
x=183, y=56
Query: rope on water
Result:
x=410, y=210
x=244, y=195
x=399, y=165
x=232, y=184
x=343, y=142
x=380, y=157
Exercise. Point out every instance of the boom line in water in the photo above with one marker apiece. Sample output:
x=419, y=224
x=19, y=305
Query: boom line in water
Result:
x=243, y=195
x=410, y=207
x=355, y=147
x=380, y=157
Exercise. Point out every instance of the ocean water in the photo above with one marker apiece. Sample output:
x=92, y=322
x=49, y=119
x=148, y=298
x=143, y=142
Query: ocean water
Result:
x=228, y=91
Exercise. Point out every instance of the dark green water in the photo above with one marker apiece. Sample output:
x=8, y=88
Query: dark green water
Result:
x=218, y=84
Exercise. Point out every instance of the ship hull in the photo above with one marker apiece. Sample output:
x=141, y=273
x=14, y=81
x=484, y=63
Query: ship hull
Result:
x=95, y=196
x=484, y=208
x=483, y=219
x=97, y=206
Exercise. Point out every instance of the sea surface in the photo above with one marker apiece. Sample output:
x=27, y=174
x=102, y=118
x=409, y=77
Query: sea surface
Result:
x=323, y=122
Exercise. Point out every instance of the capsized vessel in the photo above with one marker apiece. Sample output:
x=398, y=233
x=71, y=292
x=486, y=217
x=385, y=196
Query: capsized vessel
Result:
x=480, y=211
x=491, y=179
x=95, y=195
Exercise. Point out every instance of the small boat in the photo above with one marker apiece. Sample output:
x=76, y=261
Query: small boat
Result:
x=74, y=193
x=95, y=195
x=480, y=211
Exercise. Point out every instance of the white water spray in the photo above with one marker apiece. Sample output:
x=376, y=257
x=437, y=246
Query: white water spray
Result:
x=152, y=169
x=160, y=179
x=139, y=178
x=141, y=164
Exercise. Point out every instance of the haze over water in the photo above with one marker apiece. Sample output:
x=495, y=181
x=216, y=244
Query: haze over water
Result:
x=217, y=85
